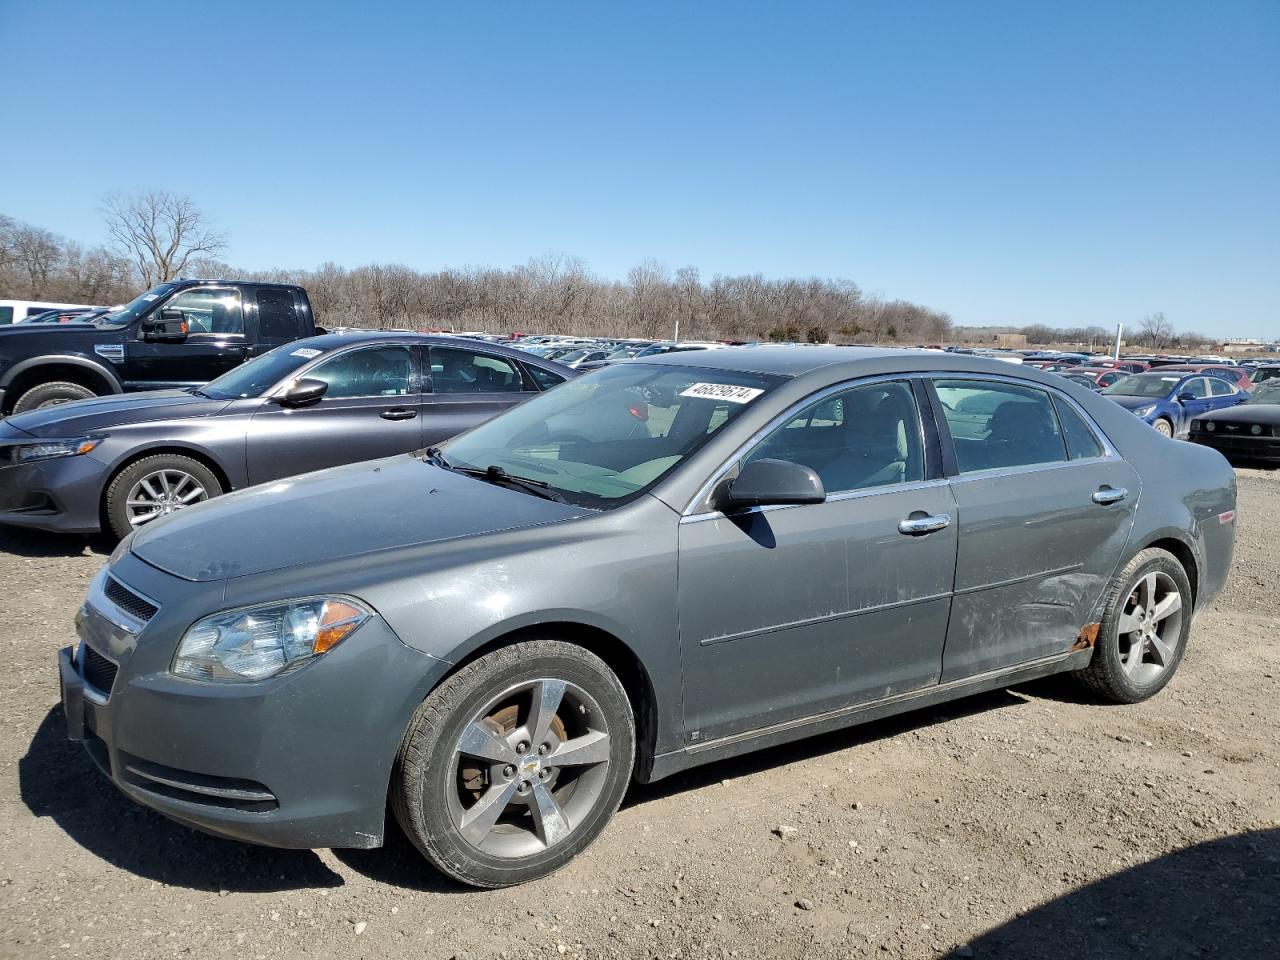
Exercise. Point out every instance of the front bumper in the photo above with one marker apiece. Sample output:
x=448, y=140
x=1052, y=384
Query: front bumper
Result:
x=302, y=760
x=61, y=494
x=1239, y=446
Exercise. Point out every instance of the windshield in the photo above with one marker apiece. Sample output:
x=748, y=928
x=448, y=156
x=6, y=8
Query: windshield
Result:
x=259, y=374
x=571, y=356
x=136, y=307
x=602, y=440
x=1266, y=393
x=1143, y=385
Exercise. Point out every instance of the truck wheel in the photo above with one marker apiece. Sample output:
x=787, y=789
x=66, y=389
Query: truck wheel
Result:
x=1144, y=629
x=512, y=766
x=155, y=487
x=50, y=395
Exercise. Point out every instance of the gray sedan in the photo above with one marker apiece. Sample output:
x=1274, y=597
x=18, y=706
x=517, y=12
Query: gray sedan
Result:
x=126, y=460
x=494, y=636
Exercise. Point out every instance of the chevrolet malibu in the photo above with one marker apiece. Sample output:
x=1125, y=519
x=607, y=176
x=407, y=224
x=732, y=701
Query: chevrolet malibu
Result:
x=493, y=636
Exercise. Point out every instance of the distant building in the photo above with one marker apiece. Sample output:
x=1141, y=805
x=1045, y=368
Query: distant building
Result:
x=1247, y=345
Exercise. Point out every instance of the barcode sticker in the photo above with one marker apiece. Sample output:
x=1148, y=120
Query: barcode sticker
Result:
x=722, y=391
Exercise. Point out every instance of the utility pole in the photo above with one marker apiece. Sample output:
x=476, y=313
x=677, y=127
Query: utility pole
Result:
x=1119, y=328
x=677, y=336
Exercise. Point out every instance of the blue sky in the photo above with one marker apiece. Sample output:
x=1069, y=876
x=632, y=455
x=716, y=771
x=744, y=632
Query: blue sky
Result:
x=1007, y=163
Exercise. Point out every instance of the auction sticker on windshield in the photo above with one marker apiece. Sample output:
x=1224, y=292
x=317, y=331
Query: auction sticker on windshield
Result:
x=722, y=391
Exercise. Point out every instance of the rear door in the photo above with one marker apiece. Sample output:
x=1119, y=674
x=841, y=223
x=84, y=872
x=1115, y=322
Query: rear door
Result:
x=1045, y=507
x=1223, y=393
x=467, y=385
x=371, y=409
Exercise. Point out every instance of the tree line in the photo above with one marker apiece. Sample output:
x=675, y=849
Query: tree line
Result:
x=159, y=236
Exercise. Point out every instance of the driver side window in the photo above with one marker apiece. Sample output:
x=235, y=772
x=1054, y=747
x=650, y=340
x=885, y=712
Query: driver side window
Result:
x=867, y=436
x=374, y=372
x=209, y=311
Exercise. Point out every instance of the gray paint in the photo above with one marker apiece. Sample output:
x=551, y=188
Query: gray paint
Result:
x=750, y=630
x=247, y=441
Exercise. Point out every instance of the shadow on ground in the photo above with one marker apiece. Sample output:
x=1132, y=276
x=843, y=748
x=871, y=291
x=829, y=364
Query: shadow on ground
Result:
x=58, y=780
x=37, y=543
x=1220, y=899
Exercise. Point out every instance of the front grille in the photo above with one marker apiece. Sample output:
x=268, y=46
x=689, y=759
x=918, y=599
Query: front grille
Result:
x=128, y=601
x=99, y=672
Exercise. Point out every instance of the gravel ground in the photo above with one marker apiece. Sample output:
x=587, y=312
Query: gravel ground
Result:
x=1023, y=823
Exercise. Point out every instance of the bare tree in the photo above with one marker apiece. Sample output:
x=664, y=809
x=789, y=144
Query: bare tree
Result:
x=1156, y=331
x=160, y=233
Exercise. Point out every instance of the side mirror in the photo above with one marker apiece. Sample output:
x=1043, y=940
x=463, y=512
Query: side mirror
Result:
x=1186, y=395
x=302, y=393
x=169, y=327
x=769, y=482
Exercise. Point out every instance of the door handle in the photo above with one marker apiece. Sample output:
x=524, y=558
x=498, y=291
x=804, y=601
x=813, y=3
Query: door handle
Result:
x=398, y=414
x=1107, y=495
x=918, y=526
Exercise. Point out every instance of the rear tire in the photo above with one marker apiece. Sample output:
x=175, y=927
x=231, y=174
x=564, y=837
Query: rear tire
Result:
x=50, y=395
x=550, y=778
x=1163, y=427
x=157, y=485
x=1144, y=629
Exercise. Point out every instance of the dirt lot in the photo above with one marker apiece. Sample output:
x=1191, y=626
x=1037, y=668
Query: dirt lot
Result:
x=1026, y=823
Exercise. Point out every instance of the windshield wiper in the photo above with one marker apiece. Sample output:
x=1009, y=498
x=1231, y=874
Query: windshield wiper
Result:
x=495, y=474
x=197, y=392
x=433, y=456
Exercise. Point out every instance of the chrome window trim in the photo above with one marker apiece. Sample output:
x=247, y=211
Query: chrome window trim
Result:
x=1110, y=452
x=790, y=413
x=844, y=495
x=690, y=514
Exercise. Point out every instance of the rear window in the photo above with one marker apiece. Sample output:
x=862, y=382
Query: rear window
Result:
x=1082, y=442
x=277, y=318
x=1000, y=425
x=545, y=379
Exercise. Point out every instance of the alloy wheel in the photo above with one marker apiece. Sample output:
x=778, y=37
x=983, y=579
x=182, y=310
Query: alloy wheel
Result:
x=1150, y=627
x=529, y=768
x=162, y=492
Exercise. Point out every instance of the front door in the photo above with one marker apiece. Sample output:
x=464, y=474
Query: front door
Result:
x=788, y=612
x=1045, y=510
x=372, y=409
x=215, y=343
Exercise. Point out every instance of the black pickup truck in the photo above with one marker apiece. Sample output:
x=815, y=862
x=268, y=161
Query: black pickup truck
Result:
x=178, y=334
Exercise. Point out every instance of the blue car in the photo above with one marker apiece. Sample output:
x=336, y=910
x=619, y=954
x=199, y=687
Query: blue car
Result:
x=1170, y=401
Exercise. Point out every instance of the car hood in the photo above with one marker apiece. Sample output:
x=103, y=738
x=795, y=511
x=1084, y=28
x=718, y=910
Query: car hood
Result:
x=1133, y=403
x=336, y=514
x=1267, y=414
x=103, y=413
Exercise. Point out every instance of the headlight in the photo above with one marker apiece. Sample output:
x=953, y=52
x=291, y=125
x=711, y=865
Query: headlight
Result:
x=1256, y=430
x=1143, y=411
x=45, y=449
x=254, y=643
x=1210, y=426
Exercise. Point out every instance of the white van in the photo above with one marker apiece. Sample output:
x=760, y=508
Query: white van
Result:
x=15, y=311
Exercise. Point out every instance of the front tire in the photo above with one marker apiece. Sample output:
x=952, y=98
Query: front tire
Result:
x=1163, y=427
x=1144, y=629
x=154, y=487
x=515, y=764
x=51, y=395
